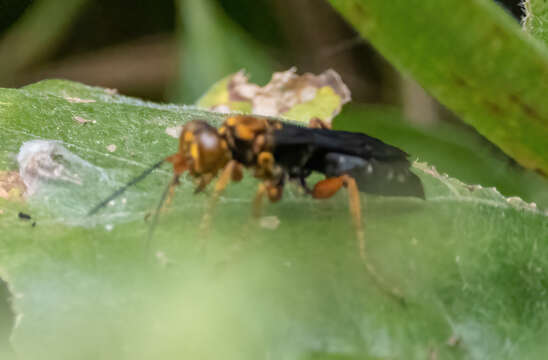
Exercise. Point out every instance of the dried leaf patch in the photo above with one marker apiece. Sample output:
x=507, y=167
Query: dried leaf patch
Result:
x=298, y=97
x=12, y=186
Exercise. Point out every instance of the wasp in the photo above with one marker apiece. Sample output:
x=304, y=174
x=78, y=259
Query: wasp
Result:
x=277, y=152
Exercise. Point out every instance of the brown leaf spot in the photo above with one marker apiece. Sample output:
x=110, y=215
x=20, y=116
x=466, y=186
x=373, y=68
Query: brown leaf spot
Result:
x=12, y=186
x=530, y=111
x=492, y=107
x=460, y=81
x=526, y=108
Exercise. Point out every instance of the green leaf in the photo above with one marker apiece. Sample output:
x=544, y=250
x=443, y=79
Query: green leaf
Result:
x=535, y=21
x=213, y=47
x=474, y=58
x=471, y=263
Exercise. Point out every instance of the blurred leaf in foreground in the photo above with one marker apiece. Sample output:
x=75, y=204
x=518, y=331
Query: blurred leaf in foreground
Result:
x=471, y=263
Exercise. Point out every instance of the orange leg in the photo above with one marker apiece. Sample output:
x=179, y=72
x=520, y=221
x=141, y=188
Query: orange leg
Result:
x=166, y=198
x=220, y=186
x=238, y=246
x=171, y=192
x=272, y=190
x=203, y=182
x=179, y=167
x=237, y=173
x=329, y=187
x=258, y=200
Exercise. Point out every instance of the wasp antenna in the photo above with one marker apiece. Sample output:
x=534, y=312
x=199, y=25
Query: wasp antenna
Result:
x=121, y=190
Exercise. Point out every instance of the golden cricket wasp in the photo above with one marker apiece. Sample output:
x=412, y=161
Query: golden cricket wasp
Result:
x=277, y=152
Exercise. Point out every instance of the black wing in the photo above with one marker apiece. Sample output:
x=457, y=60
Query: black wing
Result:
x=345, y=142
x=378, y=168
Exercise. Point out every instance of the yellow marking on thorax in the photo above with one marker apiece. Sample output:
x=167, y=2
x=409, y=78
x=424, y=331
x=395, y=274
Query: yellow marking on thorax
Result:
x=231, y=121
x=244, y=132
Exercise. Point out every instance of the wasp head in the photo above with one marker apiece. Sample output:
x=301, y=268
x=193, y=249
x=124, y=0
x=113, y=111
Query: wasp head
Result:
x=202, y=151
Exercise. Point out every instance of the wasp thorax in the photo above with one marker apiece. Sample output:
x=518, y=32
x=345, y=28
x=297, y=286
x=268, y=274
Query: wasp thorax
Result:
x=205, y=150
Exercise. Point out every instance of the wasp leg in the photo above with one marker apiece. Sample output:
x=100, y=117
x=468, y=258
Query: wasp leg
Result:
x=274, y=192
x=166, y=195
x=171, y=192
x=329, y=187
x=240, y=245
x=303, y=184
x=271, y=189
x=258, y=200
x=237, y=173
x=203, y=182
x=224, y=179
